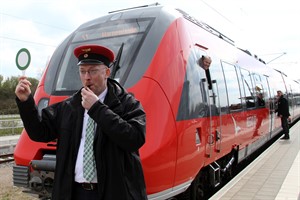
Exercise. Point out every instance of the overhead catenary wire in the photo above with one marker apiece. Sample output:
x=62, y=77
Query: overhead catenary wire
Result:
x=35, y=22
x=36, y=43
x=32, y=21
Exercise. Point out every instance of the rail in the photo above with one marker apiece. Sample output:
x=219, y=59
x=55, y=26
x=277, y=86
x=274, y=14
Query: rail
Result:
x=4, y=158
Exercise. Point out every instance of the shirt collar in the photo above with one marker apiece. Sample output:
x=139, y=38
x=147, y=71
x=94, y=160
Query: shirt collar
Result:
x=102, y=95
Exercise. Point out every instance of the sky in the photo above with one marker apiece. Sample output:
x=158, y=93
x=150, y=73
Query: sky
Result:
x=267, y=28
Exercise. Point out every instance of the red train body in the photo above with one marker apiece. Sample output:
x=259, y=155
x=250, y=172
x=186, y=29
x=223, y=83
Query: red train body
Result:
x=200, y=124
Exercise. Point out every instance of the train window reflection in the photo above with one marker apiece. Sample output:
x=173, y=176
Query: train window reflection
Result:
x=193, y=101
x=111, y=35
x=216, y=72
x=247, y=85
x=233, y=89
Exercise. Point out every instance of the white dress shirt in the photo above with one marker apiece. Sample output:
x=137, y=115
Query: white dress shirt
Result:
x=79, y=162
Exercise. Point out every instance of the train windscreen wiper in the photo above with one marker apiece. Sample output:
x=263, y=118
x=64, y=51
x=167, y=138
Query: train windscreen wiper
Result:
x=116, y=64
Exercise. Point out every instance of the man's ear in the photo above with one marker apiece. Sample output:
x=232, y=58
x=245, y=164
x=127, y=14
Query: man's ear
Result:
x=107, y=72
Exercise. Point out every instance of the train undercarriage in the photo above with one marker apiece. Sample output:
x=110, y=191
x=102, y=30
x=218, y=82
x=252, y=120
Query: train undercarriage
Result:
x=40, y=180
x=210, y=178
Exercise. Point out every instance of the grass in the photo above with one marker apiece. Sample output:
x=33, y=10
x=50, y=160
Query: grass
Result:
x=10, y=125
x=10, y=131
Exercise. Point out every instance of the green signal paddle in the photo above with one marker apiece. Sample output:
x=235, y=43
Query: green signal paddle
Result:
x=23, y=59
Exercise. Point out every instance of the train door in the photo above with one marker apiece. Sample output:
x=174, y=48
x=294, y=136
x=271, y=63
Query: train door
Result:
x=262, y=114
x=220, y=100
x=239, y=121
x=210, y=90
x=273, y=106
x=276, y=82
x=269, y=104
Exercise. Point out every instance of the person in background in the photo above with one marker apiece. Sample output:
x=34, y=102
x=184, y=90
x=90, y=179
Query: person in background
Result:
x=284, y=114
x=205, y=62
x=260, y=100
x=99, y=131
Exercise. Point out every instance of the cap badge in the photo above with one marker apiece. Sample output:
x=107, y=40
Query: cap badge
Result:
x=86, y=50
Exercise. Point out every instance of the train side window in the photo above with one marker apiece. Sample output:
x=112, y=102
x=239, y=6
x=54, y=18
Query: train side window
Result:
x=259, y=90
x=247, y=85
x=260, y=96
x=217, y=74
x=193, y=101
x=267, y=95
x=233, y=89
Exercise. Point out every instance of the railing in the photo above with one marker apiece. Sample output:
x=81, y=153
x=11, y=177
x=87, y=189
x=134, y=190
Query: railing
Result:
x=10, y=126
x=11, y=123
x=9, y=116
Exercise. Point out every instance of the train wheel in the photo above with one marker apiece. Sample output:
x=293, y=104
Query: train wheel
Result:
x=196, y=189
x=194, y=192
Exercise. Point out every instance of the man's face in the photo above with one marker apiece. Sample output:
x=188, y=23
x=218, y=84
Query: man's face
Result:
x=206, y=63
x=279, y=94
x=94, y=77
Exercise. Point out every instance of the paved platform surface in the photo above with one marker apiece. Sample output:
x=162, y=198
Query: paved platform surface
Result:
x=275, y=174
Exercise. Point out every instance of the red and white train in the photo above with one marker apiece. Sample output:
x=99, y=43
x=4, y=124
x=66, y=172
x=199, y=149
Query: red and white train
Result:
x=200, y=123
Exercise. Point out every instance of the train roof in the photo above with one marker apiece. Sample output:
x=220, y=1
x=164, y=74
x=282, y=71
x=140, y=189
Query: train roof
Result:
x=155, y=10
x=136, y=12
x=164, y=16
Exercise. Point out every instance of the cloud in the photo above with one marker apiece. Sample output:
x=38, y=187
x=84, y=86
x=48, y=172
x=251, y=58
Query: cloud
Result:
x=24, y=34
x=263, y=27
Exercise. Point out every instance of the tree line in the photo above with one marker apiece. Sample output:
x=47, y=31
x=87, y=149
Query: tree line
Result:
x=7, y=94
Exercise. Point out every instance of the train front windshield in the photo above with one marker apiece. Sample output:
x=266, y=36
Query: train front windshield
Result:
x=111, y=34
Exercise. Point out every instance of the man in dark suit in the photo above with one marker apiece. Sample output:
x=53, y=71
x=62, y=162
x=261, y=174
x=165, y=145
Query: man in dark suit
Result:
x=283, y=112
x=100, y=161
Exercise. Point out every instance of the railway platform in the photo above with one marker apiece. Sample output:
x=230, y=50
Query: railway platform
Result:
x=9, y=139
x=8, y=143
x=274, y=175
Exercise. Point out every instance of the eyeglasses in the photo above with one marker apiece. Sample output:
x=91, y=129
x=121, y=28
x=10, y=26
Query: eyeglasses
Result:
x=90, y=72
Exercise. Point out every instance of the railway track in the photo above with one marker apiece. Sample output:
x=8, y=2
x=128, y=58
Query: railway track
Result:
x=4, y=158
